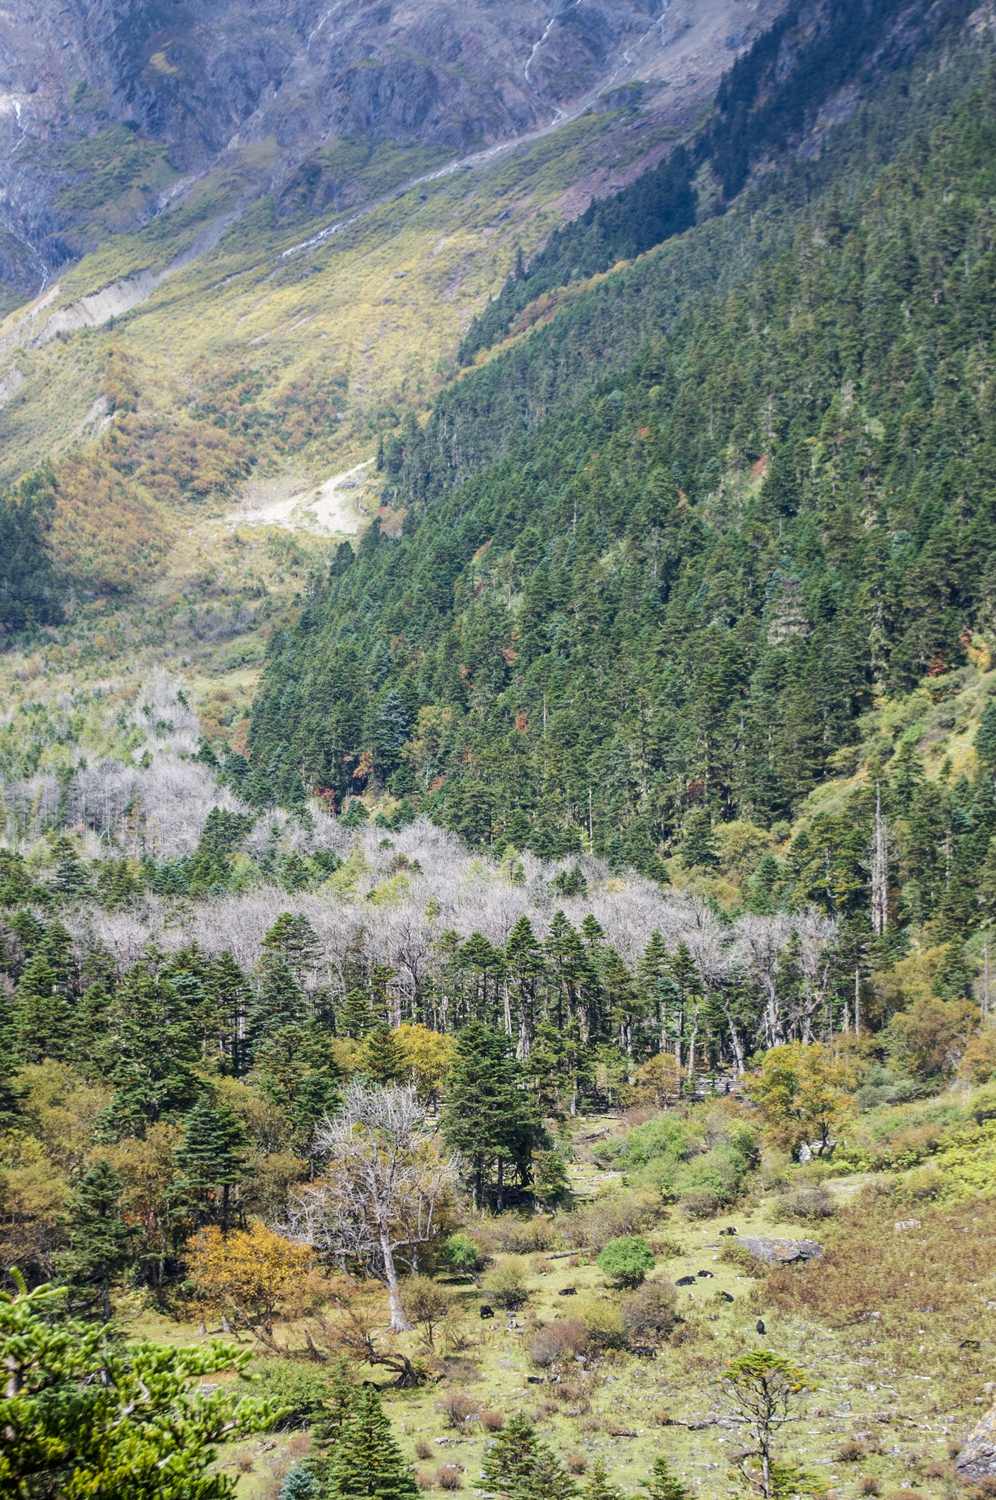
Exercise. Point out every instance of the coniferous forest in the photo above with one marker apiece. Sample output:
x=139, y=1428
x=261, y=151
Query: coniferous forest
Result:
x=575, y=879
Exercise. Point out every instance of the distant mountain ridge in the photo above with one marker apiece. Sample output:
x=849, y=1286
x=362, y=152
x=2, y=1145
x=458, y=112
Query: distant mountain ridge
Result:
x=108, y=112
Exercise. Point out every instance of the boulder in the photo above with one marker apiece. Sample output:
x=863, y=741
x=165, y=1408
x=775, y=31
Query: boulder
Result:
x=977, y=1459
x=779, y=1252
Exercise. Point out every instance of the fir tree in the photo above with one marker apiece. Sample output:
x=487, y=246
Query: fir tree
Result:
x=518, y=1465
x=150, y=1048
x=487, y=1116
x=697, y=846
x=298, y=1070
x=598, y=1486
x=383, y=1062
x=71, y=876
x=366, y=1462
x=300, y=1484
x=571, y=882
x=985, y=739
x=326, y=1430
x=228, y=991
x=279, y=1000
x=43, y=1014
x=664, y=1484
x=354, y=1018
x=294, y=939
x=101, y=1244
x=211, y=1159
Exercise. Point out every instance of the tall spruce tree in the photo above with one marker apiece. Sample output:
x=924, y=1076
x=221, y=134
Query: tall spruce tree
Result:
x=229, y=993
x=295, y=940
x=326, y=1430
x=298, y=1070
x=366, y=1462
x=210, y=1161
x=488, y=1116
x=149, y=1051
x=519, y=1465
x=664, y=1483
x=101, y=1244
x=354, y=1017
x=279, y=1000
x=44, y=1016
x=383, y=1062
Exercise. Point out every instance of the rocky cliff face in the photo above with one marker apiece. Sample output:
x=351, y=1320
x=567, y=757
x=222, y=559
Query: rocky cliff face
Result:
x=110, y=108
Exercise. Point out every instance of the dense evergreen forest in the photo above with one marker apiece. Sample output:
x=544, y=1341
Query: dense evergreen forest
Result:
x=29, y=590
x=766, y=102
x=671, y=604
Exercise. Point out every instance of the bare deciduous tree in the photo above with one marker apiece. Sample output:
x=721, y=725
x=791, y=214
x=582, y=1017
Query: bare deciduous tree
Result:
x=382, y=1191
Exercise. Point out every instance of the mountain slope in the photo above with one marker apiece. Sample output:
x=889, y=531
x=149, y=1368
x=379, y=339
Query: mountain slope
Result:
x=111, y=116
x=675, y=599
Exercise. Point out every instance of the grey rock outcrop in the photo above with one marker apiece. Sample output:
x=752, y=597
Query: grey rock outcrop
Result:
x=779, y=1252
x=260, y=86
x=977, y=1459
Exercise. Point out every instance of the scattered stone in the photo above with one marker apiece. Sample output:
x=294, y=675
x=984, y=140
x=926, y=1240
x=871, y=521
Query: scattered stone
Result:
x=902, y=1224
x=780, y=1252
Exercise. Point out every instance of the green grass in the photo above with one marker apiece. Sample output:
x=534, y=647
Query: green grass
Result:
x=902, y=1404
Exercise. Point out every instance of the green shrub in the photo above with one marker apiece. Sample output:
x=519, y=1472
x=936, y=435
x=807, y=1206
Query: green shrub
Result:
x=627, y=1260
x=463, y=1254
x=506, y=1285
x=603, y=1321
x=663, y=1136
x=301, y=1390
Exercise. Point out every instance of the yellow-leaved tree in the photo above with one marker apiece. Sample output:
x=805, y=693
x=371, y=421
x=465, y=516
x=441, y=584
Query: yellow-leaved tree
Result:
x=429, y=1056
x=248, y=1273
x=803, y=1093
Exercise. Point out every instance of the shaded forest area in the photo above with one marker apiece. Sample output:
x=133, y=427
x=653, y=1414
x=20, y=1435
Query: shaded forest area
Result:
x=766, y=103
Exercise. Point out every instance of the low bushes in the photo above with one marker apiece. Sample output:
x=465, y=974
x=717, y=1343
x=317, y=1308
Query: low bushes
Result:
x=505, y=1285
x=627, y=1261
x=610, y=1217
x=650, y=1314
x=880, y=1263
x=510, y=1234
x=558, y=1341
x=808, y=1204
x=457, y=1409
x=700, y=1161
x=603, y=1322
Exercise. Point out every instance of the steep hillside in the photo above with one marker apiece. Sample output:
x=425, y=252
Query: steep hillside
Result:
x=112, y=116
x=675, y=598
